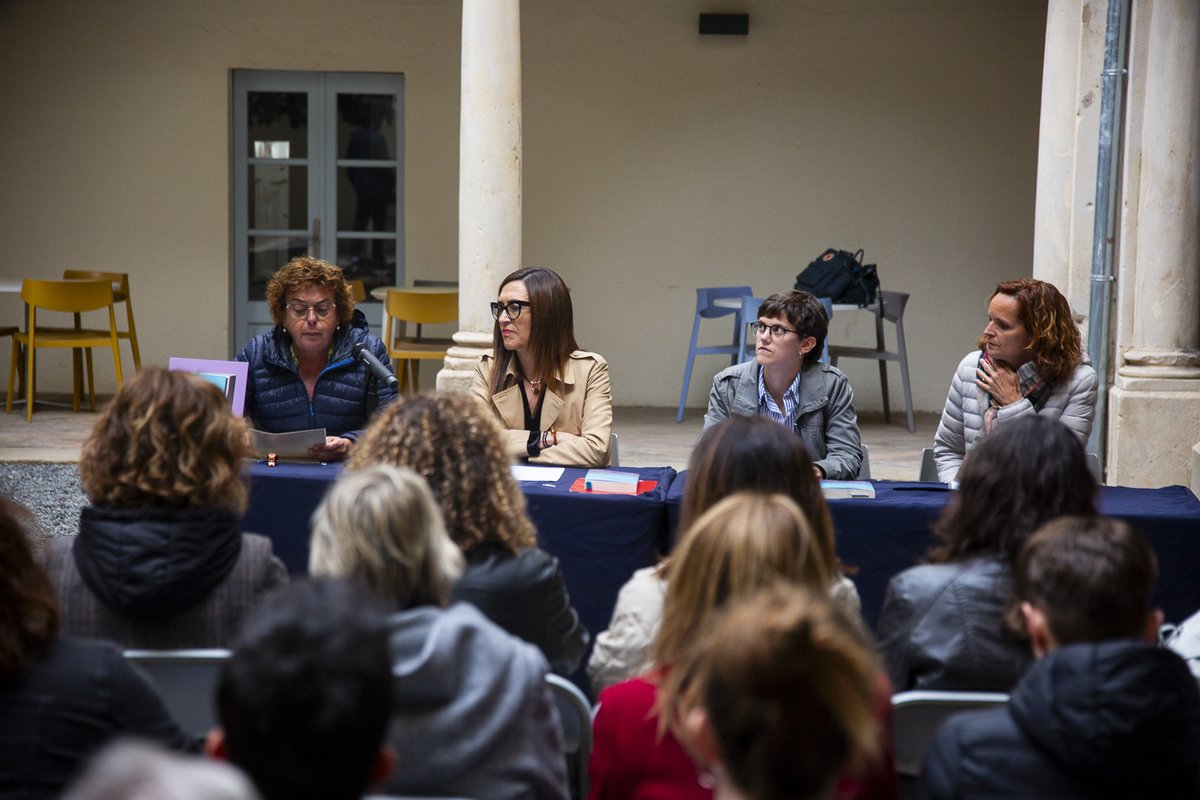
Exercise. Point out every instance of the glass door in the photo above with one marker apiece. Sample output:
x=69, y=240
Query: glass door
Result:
x=318, y=170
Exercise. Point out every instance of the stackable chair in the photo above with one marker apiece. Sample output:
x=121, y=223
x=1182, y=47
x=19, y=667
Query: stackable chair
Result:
x=707, y=308
x=575, y=719
x=420, y=308
x=70, y=297
x=358, y=290
x=120, y=284
x=917, y=715
x=890, y=307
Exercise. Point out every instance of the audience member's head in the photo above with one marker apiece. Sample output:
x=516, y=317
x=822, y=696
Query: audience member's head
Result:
x=743, y=543
x=1085, y=578
x=136, y=770
x=29, y=615
x=1055, y=346
x=450, y=441
x=305, y=698
x=1028, y=471
x=756, y=454
x=167, y=439
x=779, y=696
x=381, y=527
x=803, y=310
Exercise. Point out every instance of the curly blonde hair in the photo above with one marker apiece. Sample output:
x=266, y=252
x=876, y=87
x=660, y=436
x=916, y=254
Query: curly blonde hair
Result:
x=449, y=441
x=304, y=271
x=1054, y=341
x=166, y=439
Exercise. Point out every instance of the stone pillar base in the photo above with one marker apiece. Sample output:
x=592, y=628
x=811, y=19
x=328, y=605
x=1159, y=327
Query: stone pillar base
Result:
x=458, y=370
x=1153, y=426
x=1196, y=469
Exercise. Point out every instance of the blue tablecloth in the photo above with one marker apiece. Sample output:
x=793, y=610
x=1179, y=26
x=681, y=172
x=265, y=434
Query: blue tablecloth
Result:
x=600, y=539
x=893, y=531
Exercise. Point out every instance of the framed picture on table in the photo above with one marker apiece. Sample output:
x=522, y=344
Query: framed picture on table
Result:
x=228, y=376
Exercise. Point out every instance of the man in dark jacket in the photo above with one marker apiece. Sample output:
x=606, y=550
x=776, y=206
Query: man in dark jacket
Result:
x=1102, y=712
x=304, y=373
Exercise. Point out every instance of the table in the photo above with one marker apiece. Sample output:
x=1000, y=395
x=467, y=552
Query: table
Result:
x=893, y=531
x=600, y=540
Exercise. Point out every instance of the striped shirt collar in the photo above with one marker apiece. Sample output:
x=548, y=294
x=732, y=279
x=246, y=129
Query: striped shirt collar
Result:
x=791, y=402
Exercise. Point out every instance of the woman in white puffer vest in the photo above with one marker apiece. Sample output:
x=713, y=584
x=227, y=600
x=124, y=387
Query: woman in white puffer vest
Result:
x=1030, y=361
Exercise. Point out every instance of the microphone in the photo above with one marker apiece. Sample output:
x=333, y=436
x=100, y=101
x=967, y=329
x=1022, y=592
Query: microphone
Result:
x=381, y=373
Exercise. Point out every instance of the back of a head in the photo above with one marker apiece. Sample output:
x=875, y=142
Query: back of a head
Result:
x=744, y=543
x=755, y=454
x=381, y=527
x=1091, y=576
x=136, y=770
x=1026, y=472
x=787, y=685
x=305, y=698
x=166, y=439
x=29, y=614
x=449, y=441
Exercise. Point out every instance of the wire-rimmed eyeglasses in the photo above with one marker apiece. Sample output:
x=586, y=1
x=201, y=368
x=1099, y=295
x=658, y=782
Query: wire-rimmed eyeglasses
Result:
x=512, y=308
x=300, y=310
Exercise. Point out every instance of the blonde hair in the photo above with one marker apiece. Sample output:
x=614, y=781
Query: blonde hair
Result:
x=449, y=440
x=166, y=439
x=381, y=527
x=788, y=686
x=741, y=544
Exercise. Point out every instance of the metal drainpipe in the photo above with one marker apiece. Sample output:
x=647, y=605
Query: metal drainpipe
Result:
x=1104, y=224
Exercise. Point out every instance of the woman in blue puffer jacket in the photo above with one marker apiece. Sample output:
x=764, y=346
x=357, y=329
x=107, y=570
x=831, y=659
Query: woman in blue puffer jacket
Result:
x=303, y=372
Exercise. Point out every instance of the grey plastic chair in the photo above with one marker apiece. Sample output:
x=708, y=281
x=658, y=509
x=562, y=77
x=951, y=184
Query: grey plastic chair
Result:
x=917, y=715
x=890, y=307
x=575, y=720
x=187, y=681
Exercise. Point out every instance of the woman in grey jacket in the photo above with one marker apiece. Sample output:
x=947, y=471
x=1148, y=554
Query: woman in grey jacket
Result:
x=1030, y=361
x=787, y=384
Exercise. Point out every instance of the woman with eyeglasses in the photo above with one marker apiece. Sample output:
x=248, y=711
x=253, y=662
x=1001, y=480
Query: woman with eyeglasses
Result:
x=787, y=384
x=303, y=373
x=551, y=398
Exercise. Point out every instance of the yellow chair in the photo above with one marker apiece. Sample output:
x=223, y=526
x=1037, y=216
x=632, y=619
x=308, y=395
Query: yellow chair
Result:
x=358, y=290
x=421, y=307
x=70, y=297
x=120, y=284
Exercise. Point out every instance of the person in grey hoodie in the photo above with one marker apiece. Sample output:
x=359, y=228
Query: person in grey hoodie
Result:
x=472, y=714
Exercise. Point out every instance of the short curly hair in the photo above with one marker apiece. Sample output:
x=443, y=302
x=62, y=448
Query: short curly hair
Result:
x=449, y=440
x=1054, y=341
x=166, y=439
x=304, y=271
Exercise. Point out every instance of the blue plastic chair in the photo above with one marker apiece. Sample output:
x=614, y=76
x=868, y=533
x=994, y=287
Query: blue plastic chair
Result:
x=705, y=309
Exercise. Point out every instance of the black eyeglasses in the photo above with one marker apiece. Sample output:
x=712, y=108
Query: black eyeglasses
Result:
x=777, y=331
x=512, y=308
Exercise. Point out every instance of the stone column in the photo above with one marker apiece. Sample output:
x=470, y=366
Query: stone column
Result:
x=1155, y=410
x=1067, y=136
x=489, y=176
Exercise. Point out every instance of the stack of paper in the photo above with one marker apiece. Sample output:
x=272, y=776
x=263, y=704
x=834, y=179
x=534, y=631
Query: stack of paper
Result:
x=834, y=490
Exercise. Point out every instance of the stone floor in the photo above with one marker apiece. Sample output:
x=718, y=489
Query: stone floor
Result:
x=646, y=436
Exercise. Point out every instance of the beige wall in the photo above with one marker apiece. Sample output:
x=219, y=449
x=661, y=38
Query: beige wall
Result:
x=656, y=160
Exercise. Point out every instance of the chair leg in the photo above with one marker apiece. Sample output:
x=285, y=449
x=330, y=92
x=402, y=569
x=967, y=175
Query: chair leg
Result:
x=12, y=375
x=30, y=380
x=133, y=342
x=903, y=351
x=76, y=378
x=91, y=378
x=687, y=370
x=881, y=346
x=416, y=376
x=116, y=348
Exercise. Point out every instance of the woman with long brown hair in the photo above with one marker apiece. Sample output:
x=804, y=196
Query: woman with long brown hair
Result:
x=552, y=399
x=1030, y=361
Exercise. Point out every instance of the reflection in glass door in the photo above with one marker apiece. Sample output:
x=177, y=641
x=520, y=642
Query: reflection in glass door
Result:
x=318, y=170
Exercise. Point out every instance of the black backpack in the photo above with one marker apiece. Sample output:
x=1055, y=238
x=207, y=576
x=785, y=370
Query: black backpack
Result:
x=841, y=276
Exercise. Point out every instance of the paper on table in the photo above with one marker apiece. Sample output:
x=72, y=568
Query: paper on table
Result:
x=525, y=472
x=292, y=445
x=835, y=490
